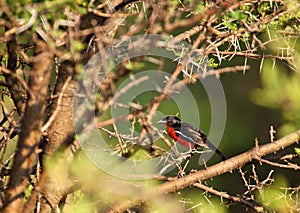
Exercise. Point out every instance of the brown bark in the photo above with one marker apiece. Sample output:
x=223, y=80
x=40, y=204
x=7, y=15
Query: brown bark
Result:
x=26, y=153
x=60, y=136
x=217, y=169
x=61, y=132
x=13, y=85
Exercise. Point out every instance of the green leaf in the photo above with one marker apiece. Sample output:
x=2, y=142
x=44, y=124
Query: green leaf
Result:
x=140, y=154
x=134, y=65
x=78, y=46
x=297, y=150
x=275, y=196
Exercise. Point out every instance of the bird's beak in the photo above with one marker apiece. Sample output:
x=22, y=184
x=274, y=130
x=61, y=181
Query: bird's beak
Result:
x=162, y=121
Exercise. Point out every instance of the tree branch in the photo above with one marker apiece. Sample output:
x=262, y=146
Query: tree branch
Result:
x=249, y=203
x=26, y=152
x=230, y=164
x=288, y=166
x=212, y=171
x=60, y=134
x=13, y=84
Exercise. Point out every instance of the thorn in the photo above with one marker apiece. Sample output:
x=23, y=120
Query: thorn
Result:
x=256, y=143
x=272, y=132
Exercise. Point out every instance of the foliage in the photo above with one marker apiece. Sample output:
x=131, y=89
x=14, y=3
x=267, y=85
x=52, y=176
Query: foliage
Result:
x=225, y=35
x=282, y=92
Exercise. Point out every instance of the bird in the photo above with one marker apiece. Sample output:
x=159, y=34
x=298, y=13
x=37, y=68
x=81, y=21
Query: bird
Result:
x=188, y=135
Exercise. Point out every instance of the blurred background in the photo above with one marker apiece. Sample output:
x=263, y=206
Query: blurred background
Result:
x=261, y=102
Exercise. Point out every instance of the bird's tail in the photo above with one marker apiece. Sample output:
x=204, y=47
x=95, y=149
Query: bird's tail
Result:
x=218, y=152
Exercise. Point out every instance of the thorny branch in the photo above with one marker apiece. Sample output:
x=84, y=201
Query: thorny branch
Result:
x=237, y=199
x=107, y=20
x=217, y=169
x=249, y=203
x=26, y=154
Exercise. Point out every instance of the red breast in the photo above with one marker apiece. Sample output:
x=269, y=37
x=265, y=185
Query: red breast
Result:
x=183, y=142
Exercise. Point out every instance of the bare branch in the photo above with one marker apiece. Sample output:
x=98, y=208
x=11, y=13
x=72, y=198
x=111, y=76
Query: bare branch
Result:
x=123, y=90
x=30, y=129
x=249, y=203
x=164, y=94
x=286, y=166
x=53, y=116
x=11, y=77
x=217, y=169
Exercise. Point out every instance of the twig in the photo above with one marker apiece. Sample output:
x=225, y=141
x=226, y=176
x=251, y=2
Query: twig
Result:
x=14, y=75
x=289, y=166
x=30, y=135
x=169, y=83
x=252, y=55
x=120, y=140
x=272, y=132
x=36, y=194
x=114, y=120
x=209, y=172
x=122, y=91
x=60, y=98
x=34, y=15
x=217, y=72
x=249, y=203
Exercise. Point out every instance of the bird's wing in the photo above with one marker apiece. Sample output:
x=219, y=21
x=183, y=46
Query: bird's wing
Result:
x=191, y=134
x=196, y=136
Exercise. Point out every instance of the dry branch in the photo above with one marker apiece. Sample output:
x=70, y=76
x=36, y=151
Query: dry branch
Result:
x=31, y=124
x=249, y=203
x=212, y=171
x=60, y=136
x=14, y=87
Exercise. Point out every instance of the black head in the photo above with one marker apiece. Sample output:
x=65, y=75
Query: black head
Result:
x=170, y=120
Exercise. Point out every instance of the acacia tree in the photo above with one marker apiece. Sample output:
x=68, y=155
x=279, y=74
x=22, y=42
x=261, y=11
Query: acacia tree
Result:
x=47, y=49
